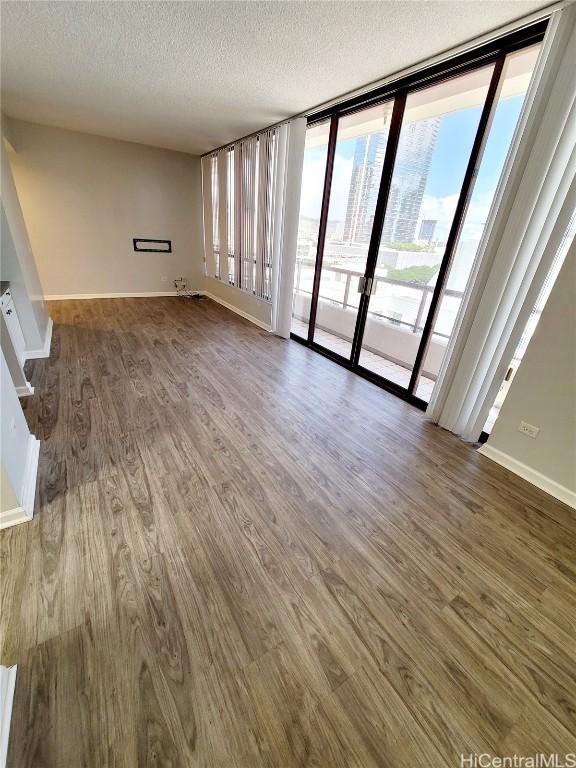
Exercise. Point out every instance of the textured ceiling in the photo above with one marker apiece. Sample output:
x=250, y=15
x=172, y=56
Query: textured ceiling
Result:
x=194, y=75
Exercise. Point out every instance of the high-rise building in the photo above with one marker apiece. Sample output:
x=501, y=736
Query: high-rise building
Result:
x=366, y=172
x=411, y=169
x=427, y=228
x=408, y=183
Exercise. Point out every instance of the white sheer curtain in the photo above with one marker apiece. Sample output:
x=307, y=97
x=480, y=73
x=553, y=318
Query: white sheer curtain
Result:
x=208, y=215
x=251, y=200
x=289, y=163
x=528, y=218
x=222, y=191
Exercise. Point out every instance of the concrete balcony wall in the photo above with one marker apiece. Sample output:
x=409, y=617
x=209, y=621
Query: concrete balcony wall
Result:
x=396, y=343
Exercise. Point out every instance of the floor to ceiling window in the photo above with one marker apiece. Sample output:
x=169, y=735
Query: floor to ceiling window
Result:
x=395, y=194
x=357, y=170
x=514, y=84
x=438, y=131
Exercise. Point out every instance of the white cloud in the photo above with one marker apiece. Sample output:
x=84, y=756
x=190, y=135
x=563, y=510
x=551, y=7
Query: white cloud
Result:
x=442, y=209
x=439, y=208
x=313, y=183
x=477, y=215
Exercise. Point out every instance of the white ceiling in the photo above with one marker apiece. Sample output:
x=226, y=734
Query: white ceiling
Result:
x=194, y=75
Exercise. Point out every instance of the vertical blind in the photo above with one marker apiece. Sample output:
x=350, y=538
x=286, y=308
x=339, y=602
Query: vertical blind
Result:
x=526, y=224
x=239, y=192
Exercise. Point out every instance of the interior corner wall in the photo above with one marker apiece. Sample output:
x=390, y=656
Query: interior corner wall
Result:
x=239, y=301
x=85, y=198
x=543, y=392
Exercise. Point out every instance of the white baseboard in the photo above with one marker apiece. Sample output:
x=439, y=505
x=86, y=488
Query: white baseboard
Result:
x=151, y=294
x=25, y=511
x=142, y=295
x=551, y=487
x=34, y=354
x=7, y=686
x=232, y=308
x=25, y=390
x=15, y=516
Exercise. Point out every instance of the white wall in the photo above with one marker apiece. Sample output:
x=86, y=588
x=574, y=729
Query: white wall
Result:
x=85, y=197
x=17, y=260
x=543, y=393
x=8, y=498
x=13, y=361
x=15, y=438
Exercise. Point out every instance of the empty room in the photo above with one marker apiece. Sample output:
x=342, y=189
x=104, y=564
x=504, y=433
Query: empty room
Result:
x=288, y=384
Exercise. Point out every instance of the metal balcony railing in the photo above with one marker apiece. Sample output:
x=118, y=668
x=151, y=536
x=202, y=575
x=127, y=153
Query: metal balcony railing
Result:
x=424, y=290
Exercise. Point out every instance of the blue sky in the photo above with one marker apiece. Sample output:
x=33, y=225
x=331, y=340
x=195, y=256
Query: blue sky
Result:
x=446, y=174
x=453, y=144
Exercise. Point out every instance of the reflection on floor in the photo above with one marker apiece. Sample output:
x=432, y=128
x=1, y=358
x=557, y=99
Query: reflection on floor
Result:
x=375, y=363
x=424, y=388
x=245, y=556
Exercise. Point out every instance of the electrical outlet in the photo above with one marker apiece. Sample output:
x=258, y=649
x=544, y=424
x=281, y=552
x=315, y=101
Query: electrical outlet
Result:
x=528, y=429
x=164, y=279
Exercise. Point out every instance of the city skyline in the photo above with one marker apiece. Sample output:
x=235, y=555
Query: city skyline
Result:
x=364, y=184
x=411, y=169
x=409, y=179
x=443, y=178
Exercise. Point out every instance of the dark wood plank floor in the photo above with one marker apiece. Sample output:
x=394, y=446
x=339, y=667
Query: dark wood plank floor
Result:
x=243, y=555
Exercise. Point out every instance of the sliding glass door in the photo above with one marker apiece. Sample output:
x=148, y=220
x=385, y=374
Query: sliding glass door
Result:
x=439, y=127
x=351, y=169
x=389, y=191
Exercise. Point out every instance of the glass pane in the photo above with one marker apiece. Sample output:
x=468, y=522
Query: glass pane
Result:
x=313, y=172
x=438, y=131
x=515, y=79
x=358, y=162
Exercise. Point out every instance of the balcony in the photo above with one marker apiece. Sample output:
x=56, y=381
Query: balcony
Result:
x=394, y=324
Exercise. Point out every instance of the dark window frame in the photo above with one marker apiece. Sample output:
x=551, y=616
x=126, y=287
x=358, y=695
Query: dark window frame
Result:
x=492, y=53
